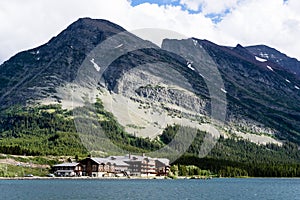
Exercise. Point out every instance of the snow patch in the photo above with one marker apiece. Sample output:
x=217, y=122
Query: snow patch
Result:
x=223, y=90
x=270, y=68
x=95, y=65
x=189, y=65
x=260, y=59
x=37, y=52
x=195, y=42
x=118, y=46
x=297, y=88
x=287, y=80
x=264, y=55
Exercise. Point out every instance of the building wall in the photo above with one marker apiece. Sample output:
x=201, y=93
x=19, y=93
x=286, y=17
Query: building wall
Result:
x=134, y=168
x=89, y=166
x=94, y=169
x=137, y=166
x=119, y=169
x=73, y=170
x=161, y=168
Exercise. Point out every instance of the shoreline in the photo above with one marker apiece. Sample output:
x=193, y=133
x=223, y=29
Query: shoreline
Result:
x=82, y=178
x=135, y=178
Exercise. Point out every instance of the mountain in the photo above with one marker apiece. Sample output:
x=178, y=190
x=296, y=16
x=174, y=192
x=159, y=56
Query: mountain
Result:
x=259, y=91
x=147, y=88
x=36, y=73
x=275, y=56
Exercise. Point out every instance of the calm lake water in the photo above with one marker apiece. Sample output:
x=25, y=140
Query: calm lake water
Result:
x=241, y=189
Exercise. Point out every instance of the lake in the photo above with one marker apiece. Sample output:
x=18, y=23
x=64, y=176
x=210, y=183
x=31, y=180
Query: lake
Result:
x=254, y=188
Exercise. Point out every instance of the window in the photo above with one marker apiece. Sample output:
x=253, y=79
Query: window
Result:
x=94, y=168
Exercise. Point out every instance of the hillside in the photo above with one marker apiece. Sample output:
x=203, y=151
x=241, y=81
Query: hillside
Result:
x=96, y=88
x=49, y=130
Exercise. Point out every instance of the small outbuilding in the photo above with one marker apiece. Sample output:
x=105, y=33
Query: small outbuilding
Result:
x=67, y=169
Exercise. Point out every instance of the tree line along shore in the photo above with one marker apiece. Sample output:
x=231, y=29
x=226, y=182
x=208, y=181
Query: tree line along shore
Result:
x=47, y=133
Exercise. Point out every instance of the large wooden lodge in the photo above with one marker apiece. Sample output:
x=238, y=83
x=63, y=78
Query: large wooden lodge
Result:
x=128, y=165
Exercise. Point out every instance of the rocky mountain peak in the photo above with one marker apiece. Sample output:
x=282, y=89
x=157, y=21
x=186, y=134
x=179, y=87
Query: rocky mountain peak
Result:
x=36, y=73
x=85, y=34
x=275, y=56
x=243, y=51
x=161, y=81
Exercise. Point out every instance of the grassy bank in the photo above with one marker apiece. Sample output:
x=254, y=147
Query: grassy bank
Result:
x=7, y=170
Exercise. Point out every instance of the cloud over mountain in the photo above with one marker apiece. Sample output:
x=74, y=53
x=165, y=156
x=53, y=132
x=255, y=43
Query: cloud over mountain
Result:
x=272, y=22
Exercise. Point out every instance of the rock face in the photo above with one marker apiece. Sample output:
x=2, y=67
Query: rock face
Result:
x=147, y=87
x=258, y=91
x=273, y=55
x=36, y=73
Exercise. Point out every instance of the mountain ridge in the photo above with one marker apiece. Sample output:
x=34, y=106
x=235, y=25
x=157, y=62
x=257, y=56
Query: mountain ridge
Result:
x=256, y=88
x=288, y=63
x=62, y=55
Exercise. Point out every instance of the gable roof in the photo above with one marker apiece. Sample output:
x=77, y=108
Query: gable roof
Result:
x=165, y=161
x=115, y=160
x=73, y=164
x=124, y=160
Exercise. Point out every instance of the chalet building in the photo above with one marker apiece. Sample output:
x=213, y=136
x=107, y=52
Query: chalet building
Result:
x=99, y=167
x=140, y=165
x=68, y=169
x=162, y=166
x=129, y=165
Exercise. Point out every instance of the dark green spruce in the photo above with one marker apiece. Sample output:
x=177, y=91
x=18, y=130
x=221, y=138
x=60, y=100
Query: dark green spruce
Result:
x=50, y=130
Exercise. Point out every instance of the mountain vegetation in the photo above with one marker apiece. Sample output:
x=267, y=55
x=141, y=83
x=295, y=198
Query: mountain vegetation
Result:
x=50, y=130
x=232, y=157
x=261, y=87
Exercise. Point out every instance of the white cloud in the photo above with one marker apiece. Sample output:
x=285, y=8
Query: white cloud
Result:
x=267, y=22
x=171, y=17
x=210, y=6
x=27, y=24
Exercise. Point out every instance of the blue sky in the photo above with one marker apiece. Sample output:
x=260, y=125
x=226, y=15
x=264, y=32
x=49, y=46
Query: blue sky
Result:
x=161, y=2
x=214, y=16
x=158, y=2
x=166, y=2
